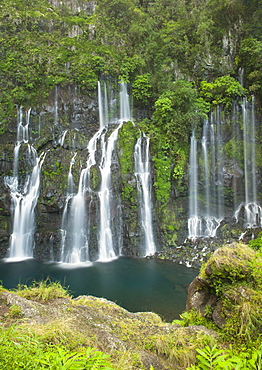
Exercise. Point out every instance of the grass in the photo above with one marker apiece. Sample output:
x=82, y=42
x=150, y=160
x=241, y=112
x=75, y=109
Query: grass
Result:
x=43, y=291
x=21, y=348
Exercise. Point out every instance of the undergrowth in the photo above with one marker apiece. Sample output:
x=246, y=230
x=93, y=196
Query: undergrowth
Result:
x=227, y=359
x=42, y=291
x=23, y=349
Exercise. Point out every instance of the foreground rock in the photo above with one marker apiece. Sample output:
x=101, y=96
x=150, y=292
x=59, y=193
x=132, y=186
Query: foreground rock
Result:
x=134, y=340
x=228, y=290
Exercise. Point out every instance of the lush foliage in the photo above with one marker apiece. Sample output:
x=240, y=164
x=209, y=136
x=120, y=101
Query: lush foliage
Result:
x=221, y=92
x=226, y=359
x=20, y=349
x=42, y=291
x=233, y=276
x=256, y=243
x=149, y=44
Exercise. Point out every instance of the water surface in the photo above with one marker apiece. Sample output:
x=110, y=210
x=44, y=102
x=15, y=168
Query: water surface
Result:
x=135, y=284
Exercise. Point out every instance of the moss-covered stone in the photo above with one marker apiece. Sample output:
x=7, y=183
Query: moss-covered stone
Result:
x=228, y=291
x=133, y=340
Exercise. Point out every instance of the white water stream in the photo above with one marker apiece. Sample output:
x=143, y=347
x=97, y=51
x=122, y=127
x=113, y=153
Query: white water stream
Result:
x=207, y=171
x=24, y=193
x=142, y=173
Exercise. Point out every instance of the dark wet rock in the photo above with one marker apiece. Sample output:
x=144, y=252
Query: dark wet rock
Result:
x=218, y=315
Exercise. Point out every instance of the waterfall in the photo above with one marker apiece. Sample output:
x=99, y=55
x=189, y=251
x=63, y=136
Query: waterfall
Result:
x=253, y=212
x=220, y=166
x=204, y=144
x=106, y=244
x=207, y=172
x=142, y=173
x=194, y=221
x=76, y=226
x=206, y=194
x=105, y=195
x=24, y=194
x=125, y=112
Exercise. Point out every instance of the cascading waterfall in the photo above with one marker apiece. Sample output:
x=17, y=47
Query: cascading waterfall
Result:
x=206, y=205
x=253, y=212
x=219, y=166
x=206, y=174
x=194, y=221
x=24, y=194
x=106, y=244
x=106, y=247
x=75, y=227
x=75, y=231
x=142, y=173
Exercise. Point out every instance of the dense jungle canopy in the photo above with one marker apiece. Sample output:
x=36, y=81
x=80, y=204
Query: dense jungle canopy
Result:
x=151, y=44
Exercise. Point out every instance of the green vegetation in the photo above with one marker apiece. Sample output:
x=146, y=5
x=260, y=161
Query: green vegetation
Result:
x=235, y=275
x=220, y=359
x=22, y=349
x=126, y=141
x=151, y=45
x=42, y=291
x=256, y=243
x=221, y=92
x=231, y=282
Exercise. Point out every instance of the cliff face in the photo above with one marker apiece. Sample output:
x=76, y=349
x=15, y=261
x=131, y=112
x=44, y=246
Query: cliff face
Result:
x=65, y=111
x=62, y=130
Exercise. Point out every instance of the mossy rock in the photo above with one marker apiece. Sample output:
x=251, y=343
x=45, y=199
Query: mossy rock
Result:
x=227, y=292
x=232, y=262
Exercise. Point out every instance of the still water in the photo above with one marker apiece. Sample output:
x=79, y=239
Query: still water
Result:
x=135, y=284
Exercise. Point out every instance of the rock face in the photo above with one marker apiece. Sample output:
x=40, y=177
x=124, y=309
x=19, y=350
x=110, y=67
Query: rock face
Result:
x=62, y=128
x=76, y=6
x=59, y=128
x=229, y=284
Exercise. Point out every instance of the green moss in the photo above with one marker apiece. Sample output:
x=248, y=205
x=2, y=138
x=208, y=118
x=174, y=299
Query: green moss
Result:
x=256, y=244
x=126, y=141
x=95, y=178
x=162, y=185
x=232, y=262
x=15, y=311
x=129, y=194
x=42, y=291
x=169, y=225
x=234, y=273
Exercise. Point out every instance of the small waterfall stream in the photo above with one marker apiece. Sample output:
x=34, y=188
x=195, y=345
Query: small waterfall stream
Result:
x=194, y=221
x=142, y=173
x=24, y=193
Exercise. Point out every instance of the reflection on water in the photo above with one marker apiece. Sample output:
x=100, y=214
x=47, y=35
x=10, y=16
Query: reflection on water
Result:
x=135, y=284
